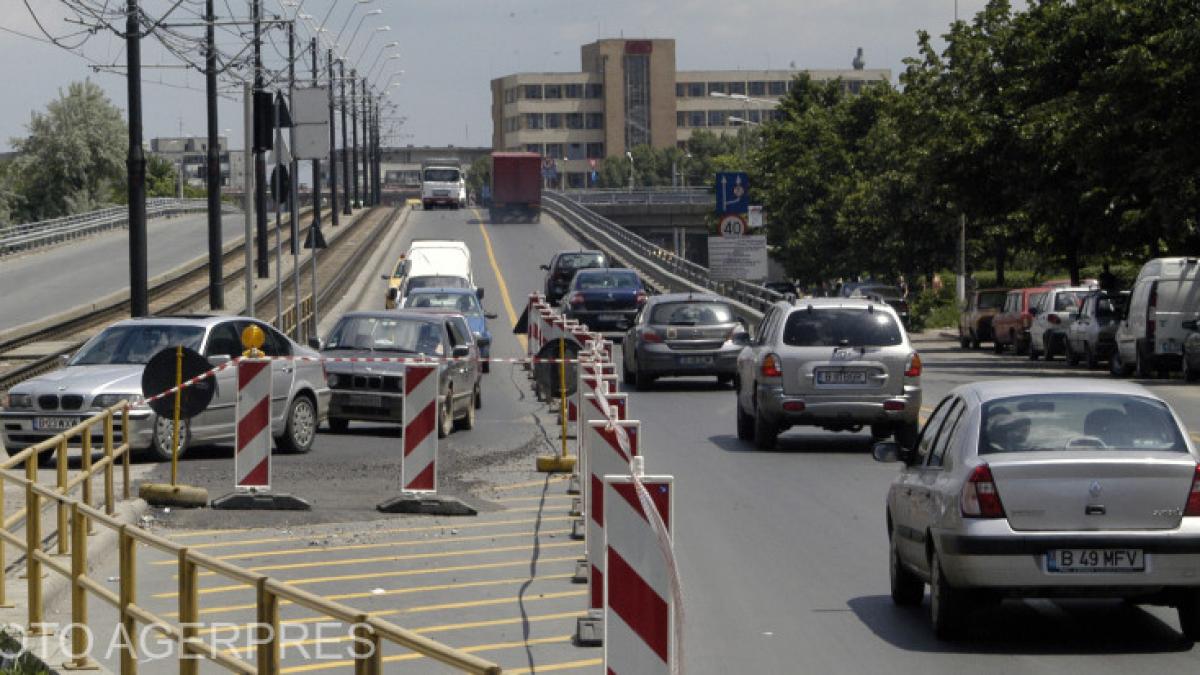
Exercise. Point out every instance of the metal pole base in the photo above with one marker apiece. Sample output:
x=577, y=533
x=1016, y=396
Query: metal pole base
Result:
x=573, y=487
x=577, y=529
x=165, y=494
x=589, y=630
x=260, y=501
x=427, y=505
x=576, y=507
x=581, y=572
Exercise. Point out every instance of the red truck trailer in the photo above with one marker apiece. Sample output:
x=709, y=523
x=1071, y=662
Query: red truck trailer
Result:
x=516, y=194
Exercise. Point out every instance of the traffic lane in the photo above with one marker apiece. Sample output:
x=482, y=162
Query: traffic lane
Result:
x=783, y=561
x=62, y=277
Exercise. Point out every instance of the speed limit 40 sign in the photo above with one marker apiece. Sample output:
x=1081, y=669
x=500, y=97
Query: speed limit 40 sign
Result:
x=732, y=225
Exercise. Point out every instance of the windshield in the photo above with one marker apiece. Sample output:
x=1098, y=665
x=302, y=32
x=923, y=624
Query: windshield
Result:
x=574, y=261
x=994, y=300
x=624, y=280
x=831, y=327
x=136, y=344
x=383, y=334
x=1038, y=422
x=462, y=303
x=691, y=314
x=437, y=282
x=1064, y=302
x=441, y=175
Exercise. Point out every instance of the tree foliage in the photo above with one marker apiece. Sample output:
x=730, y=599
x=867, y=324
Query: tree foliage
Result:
x=705, y=154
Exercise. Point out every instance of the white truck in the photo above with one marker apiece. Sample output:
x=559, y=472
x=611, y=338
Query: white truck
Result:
x=443, y=184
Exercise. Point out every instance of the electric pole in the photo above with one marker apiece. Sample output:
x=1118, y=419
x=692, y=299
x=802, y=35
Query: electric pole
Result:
x=333, y=196
x=139, y=297
x=216, y=283
x=366, y=99
x=354, y=133
x=316, y=163
x=345, y=155
x=260, y=159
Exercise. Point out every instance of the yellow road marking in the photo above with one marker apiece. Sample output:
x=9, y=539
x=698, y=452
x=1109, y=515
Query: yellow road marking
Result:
x=395, y=591
x=498, y=646
x=531, y=483
x=508, y=306
x=423, y=631
x=398, y=530
x=550, y=667
x=535, y=498
x=419, y=609
x=201, y=533
x=380, y=575
x=395, y=558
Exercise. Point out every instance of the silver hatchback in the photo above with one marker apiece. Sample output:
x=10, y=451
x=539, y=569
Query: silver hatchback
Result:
x=1046, y=488
x=680, y=334
x=836, y=363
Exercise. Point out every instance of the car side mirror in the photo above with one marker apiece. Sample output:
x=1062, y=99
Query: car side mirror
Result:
x=1190, y=325
x=891, y=451
x=479, y=293
x=461, y=351
x=315, y=343
x=219, y=359
x=544, y=267
x=741, y=338
x=490, y=315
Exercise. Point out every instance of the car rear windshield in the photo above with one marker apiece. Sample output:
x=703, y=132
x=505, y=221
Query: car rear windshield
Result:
x=575, y=261
x=593, y=280
x=437, y=282
x=441, y=175
x=463, y=303
x=1042, y=422
x=992, y=300
x=691, y=314
x=1065, y=302
x=835, y=326
x=136, y=344
x=385, y=334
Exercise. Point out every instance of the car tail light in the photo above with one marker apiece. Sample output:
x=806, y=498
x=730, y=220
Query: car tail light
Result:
x=913, y=368
x=793, y=406
x=893, y=406
x=770, y=366
x=640, y=298
x=1053, y=318
x=1193, y=501
x=577, y=299
x=651, y=336
x=980, y=498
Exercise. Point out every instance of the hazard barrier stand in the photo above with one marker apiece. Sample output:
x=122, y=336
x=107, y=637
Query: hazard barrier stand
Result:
x=641, y=584
x=594, y=408
x=418, y=462
x=561, y=463
x=594, y=378
x=252, y=441
x=605, y=456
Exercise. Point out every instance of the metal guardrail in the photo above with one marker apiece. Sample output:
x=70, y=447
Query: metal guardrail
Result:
x=664, y=195
x=671, y=271
x=43, y=233
x=77, y=518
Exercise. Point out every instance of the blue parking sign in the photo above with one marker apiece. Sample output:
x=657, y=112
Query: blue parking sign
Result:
x=733, y=192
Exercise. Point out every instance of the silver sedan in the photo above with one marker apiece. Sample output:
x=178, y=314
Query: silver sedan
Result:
x=1046, y=488
x=681, y=334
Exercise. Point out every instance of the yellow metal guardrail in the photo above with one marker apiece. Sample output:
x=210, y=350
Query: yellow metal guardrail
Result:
x=76, y=520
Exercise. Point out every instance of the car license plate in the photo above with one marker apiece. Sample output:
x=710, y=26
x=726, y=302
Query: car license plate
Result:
x=695, y=360
x=1171, y=347
x=1075, y=560
x=609, y=317
x=841, y=377
x=54, y=423
x=364, y=401
x=441, y=193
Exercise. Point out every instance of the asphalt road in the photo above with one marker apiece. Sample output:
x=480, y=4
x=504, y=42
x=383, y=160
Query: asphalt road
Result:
x=782, y=554
x=82, y=271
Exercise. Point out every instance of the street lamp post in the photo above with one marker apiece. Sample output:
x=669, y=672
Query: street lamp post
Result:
x=391, y=57
x=370, y=38
x=354, y=35
x=630, y=156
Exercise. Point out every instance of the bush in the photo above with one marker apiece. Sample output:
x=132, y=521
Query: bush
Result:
x=1126, y=273
x=934, y=309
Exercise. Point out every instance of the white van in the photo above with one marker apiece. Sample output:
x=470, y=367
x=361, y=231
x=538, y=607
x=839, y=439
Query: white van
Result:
x=1151, y=334
x=432, y=263
x=443, y=184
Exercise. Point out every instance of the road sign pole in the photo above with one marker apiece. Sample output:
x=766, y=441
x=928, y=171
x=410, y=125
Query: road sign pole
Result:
x=139, y=299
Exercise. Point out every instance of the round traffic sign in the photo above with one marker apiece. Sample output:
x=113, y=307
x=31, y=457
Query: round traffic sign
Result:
x=160, y=374
x=732, y=225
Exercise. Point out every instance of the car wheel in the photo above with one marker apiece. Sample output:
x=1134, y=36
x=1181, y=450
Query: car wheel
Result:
x=1189, y=615
x=1033, y=353
x=997, y=346
x=907, y=433
x=766, y=432
x=881, y=432
x=301, y=429
x=1071, y=355
x=643, y=382
x=975, y=341
x=1022, y=347
x=745, y=424
x=338, y=425
x=907, y=588
x=1048, y=347
x=628, y=376
x=467, y=422
x=1116, y=365
x=1190, y=374
x=1141, y=369
x=478, y=398
x=964, y=342
x=946, y=603
x=1089, y=357
x=160, y=441
x=446, y=416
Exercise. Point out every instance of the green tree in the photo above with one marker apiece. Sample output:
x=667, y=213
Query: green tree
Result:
x=73, y=155
x=162, y=177
x=479, y=174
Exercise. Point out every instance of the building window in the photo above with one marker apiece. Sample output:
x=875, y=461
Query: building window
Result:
x=696, y=118
x=737, y=88
x=716, y=87
x=576, y=151
x=680, y=119
x=695, y=89
x=533, y=91
x=554, y=120
x=637, y=100
x=573, y=91
x=575, y=180
x=754, y=116
x=512, y=123
x=595, y=150
x=680, y=90
x=594, y=90
x=716, y=118
x=595, y=120
x=554, y=150
x=534, y=147
x=758, y=88
x=854, y=86
x=574, y=120
x=533, y=121
x=777, y=87
x=553, y=91
x=776, y=115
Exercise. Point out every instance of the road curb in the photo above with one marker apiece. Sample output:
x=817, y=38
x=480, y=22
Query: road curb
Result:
x=56, y=588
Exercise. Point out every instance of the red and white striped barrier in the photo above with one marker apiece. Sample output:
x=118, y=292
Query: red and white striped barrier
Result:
x=639, y=604
x=605, y=456
x=592, y=375
x=252, y=435
x=418, y=467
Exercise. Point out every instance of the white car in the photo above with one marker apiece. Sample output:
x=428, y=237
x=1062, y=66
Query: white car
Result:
x=1051, y=317
x=1151, y=334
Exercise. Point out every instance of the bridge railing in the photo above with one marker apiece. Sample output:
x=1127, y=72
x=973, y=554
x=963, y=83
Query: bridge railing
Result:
x=663, y=195
x=672, y=272
x=26, y=236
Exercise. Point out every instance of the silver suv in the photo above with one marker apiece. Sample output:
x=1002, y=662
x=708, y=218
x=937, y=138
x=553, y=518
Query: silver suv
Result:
x=836, y=363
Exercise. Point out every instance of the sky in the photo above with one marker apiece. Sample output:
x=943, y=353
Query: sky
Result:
x=451, y=49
